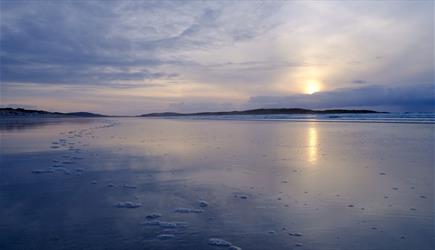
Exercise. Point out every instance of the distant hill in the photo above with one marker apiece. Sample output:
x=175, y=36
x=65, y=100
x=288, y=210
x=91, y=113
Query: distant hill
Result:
x=19, y=112
x=280, y=111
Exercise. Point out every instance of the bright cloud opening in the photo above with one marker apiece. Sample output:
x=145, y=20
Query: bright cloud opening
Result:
x=312, y=87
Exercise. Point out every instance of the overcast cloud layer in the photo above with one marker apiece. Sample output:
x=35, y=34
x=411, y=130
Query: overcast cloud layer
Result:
x=120, y=57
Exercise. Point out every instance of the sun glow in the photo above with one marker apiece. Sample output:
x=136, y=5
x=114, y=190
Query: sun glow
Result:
x=312, y=87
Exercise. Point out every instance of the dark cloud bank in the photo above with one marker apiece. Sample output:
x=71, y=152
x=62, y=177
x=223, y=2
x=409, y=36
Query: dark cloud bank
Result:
x=420, y=97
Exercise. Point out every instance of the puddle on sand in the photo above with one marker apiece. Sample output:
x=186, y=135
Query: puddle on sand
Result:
x=179, y=184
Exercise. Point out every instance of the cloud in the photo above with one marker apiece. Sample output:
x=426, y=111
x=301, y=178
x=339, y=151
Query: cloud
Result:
x=79, y=42
x=187, y=49
x=405, y=98
x=23, y=106
x=359, y=81
x=191, y=107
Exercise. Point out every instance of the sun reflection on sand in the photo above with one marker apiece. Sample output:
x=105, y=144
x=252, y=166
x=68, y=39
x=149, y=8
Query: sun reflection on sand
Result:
x=312, y=145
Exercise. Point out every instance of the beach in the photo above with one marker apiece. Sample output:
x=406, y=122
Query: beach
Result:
x=154, y=183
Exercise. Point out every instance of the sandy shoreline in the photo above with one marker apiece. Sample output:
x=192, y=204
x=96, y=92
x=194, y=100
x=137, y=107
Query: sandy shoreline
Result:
x=110, y=183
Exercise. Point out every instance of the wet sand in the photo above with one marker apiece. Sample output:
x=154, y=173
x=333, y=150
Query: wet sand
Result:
x=134, y=183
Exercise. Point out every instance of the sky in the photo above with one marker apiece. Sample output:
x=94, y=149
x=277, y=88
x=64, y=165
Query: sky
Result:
x=136, y=57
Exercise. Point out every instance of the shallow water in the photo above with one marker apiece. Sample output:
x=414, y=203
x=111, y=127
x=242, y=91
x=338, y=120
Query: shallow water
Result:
x=405, y=117
x=91, y=183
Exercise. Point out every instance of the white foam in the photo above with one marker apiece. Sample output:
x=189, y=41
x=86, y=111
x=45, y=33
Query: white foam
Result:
x=42, y=171
x=184, y=210
x=203, y=203
x=152, y=216
x=219, y=242
x=235, y=248
x=164, y=224
x=128, y=204
x=165, y=236
x=295, y=234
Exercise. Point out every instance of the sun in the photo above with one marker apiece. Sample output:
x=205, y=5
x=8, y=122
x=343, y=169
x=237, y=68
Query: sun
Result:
x=312, y=87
